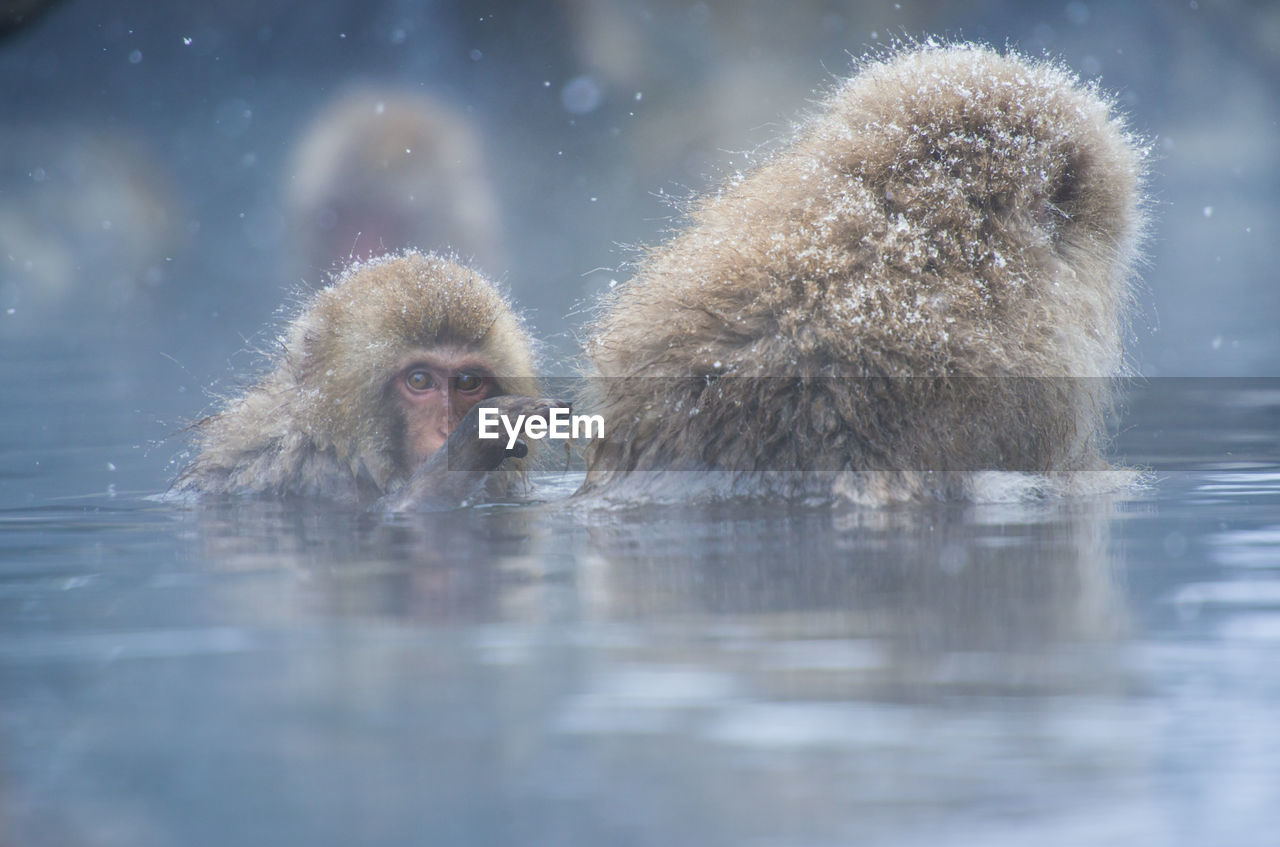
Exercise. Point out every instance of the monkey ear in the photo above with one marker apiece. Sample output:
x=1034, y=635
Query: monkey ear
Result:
x=306, y=355
x=1061, y=206
x=310, y=341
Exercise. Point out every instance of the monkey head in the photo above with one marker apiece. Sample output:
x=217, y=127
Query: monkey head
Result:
x=376, y=373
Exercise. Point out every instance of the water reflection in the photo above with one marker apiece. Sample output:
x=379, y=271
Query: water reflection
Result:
x=433, y=568
x=925, y=580
x=725, y=672
x=1061, y=671
x=938, y=594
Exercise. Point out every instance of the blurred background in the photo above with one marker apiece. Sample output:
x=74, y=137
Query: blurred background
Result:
x=176, y=176
x=172, y=173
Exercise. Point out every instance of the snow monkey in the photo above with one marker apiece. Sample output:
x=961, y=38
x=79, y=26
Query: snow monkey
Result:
x=380, y=170
x=375, y=376
x=930, y=280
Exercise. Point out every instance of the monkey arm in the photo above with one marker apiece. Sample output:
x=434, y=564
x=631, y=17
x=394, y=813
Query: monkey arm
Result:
x=458, y=473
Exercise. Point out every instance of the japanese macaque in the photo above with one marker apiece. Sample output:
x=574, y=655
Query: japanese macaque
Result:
x=384, y=170
x=375, y=395
x=929, y=281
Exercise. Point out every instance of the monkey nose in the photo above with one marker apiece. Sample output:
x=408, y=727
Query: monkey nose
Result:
x=518, y=450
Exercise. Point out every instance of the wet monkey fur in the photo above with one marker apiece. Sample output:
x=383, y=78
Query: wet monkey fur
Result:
x=374, y=376
x=929, y=282
x=932, y=277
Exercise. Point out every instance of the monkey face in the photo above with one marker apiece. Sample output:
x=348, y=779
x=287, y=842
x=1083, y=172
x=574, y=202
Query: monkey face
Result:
x=435, y=389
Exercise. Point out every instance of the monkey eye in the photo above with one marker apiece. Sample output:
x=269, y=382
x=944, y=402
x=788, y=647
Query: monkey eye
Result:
x=418, y=380
x=469, y=383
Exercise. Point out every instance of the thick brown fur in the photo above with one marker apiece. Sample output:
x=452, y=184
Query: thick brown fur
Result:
x=950, y=212
x=323, y=422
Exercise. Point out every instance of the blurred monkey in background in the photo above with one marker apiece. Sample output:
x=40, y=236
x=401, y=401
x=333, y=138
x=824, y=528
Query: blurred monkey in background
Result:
x=381, y=170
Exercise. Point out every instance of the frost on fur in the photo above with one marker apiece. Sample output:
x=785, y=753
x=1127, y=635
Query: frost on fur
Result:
x=951, y=212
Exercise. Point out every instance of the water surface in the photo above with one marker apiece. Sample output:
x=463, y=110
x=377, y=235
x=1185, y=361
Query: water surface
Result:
x=1056, y=672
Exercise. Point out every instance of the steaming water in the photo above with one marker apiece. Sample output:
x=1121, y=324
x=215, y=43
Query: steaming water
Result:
x=1055, y=672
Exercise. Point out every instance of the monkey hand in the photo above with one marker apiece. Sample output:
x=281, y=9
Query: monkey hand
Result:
x=467, y=451
x=455, y=475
